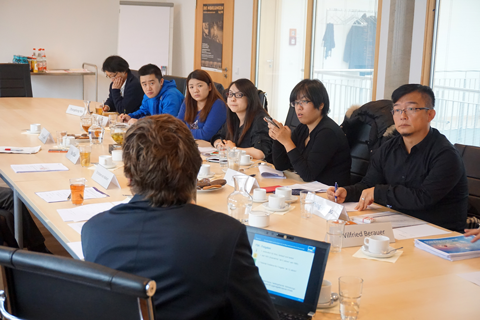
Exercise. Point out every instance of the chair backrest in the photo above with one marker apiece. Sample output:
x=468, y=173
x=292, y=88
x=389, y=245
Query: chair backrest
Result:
x=180, y=82
x=135, y=73
x=471, y=157
x=263, y=99
x=219, y=87
x=15, y=80
x=42, y=286
x=359, y=151
x=292, y=120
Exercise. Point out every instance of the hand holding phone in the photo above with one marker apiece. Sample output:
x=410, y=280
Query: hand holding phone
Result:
x=270, y=120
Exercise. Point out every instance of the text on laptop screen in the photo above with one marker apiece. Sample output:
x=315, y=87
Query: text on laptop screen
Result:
x=283, y=265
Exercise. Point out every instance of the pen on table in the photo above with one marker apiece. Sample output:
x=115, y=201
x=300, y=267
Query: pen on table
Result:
x=9, y=149
x=336, y=187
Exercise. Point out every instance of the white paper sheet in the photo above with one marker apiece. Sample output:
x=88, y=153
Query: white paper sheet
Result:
x=77, y=226
x=206, y=149
x=62, y=195
x=77, y=248
x=398, y=220
x=24, y=150
x=83, y=213
x=419, y=231
x=267, y=172
x=473, y=277
x=38, y=167
x=350, y=206
x=314, y=186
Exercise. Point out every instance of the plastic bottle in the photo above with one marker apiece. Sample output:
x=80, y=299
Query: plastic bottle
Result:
x=34, y=66
x=44, y=57
x=40, y=61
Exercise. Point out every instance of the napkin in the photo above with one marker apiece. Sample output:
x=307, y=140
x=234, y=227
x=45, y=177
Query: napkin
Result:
x=392, y=259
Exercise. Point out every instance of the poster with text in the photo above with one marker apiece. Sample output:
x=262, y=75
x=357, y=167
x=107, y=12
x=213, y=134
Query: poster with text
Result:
x=212, y=37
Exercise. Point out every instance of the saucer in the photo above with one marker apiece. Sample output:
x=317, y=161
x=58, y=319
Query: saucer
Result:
x=247, y=164
x=328, y=305
x=292, y=199
x=207, y=176
x=32, y=132
x=260, y=201
x=378, y=255
x=286, y=208
x=108, y=167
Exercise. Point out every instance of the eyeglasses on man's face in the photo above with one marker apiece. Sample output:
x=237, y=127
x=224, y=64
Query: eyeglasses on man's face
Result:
x=238, y=95
x=302, y=103
x=111, y=75
x=408, y=111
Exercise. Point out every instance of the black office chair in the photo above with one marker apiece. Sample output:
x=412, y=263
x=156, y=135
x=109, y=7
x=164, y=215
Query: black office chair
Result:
x=41, y=286
x=135, y=73
x=15, y=80
x=180, y=82
x=471, y=156
x=219, y=87
x=263, y=99
x=292, y=120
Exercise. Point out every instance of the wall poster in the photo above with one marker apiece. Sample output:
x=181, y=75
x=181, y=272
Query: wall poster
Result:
x=212, y=37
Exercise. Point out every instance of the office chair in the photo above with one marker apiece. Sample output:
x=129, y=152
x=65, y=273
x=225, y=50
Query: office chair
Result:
x=219, y=87
x=180, y=82
x=263, y=99
x=41, y=286
x=292, y=120
x=135, y=73
x=15, y=80
x=471, y=156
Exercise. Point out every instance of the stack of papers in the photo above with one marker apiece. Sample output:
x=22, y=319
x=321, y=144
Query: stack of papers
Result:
x=453, y=248
x=25, y=150
x=398, y=220
x=39, y=167
x=267, y=172
x=83, y=213
x=62, y=195
x=314, y=186
x=208, y=150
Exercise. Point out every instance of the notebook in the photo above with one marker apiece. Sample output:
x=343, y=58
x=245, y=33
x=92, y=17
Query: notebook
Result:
x=291, y=268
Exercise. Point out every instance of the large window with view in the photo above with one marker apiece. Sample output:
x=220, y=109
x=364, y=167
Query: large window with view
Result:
x=456, y=71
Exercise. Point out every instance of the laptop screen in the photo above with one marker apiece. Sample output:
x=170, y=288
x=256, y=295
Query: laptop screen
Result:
x=291, y=268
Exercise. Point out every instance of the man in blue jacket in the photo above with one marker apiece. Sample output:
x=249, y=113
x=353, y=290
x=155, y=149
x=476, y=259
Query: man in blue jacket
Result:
x=161, y=96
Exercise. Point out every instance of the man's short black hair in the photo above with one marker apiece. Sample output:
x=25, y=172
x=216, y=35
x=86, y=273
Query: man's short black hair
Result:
x=427, y=93
x=313, y=90
x=150, y=69
x=115, y=64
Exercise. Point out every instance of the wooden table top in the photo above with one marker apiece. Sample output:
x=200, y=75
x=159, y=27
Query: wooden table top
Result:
x=418, y=286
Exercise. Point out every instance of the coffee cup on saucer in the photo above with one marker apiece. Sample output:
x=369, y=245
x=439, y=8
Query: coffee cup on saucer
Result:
x=117, y=155
x=105, y=161
x=377, y=244
x=284, y=191
x=204, y=170
x=276, y=201
x=245, y=159
x=68, y=141
x=325, y=293
x=259, y=194
x=35, y=128
x=259, y=219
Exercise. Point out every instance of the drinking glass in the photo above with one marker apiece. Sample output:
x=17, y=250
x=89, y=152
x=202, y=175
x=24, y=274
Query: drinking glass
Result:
x=85, y=152
x=234, y=159
x=350, y=290
x=223, y=157
x=60, y=135
x=335, y=229
x=77, y=189
x=306, y=203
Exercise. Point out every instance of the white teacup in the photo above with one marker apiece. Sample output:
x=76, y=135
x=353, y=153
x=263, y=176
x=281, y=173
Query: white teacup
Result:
x=259, y=219
x=259, y=194
x=245, y=159
x=325, y=292
x=284, y=191
x=117, y=155
x=68, y=140
x=35, y=127
x=377, y=244
x=276, y=201
x=204, y=170
x=105, y=161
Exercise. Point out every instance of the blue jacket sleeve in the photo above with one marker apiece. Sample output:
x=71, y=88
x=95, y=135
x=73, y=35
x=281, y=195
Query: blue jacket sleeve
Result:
x=171, y=102
x=181, y=113
x=215, y=120
x=143, y=111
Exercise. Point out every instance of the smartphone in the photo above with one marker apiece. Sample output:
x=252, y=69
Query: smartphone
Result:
x=270, y=120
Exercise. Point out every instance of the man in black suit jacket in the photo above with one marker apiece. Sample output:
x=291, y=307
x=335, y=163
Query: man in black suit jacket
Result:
x=125, y=93
x=200, y=259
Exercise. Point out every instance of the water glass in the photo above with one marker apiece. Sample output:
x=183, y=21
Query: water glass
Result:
x=335, y=229
x=234, y=159
x=350, y=290
x=306, y=203
x=60, y=135
x=223, y=157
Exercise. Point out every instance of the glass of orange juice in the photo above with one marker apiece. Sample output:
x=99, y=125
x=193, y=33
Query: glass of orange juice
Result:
x=77, y=189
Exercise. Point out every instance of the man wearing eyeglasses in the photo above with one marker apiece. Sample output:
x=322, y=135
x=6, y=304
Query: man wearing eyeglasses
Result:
x=419, y=173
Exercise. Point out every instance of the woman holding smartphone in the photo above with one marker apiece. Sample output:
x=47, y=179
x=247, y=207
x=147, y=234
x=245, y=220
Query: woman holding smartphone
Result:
x=203, y=110
x=245, y=127
x=317, y=149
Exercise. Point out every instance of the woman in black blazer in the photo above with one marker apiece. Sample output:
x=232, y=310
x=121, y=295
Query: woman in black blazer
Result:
x=126, y=93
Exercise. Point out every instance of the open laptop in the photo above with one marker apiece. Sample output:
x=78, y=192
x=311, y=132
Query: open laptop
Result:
x=292, y=269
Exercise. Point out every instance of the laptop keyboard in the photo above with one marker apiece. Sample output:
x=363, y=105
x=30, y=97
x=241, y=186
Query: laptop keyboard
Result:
x=289, y=316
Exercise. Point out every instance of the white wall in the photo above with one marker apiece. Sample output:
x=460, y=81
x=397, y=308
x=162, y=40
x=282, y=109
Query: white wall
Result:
x=77, y=31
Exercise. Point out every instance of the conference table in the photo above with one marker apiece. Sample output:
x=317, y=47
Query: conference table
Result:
x=419, y=285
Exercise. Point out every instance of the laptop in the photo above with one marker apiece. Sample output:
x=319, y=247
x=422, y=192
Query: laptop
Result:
x=291, y=268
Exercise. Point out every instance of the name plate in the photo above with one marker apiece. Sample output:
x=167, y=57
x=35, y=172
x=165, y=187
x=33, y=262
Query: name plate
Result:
x=45, y=136
x=105, y=178
x=75, y=110
x=73, y=154
x=103, y=119
x=355, y=234
x=251, y=182
x=329, y=210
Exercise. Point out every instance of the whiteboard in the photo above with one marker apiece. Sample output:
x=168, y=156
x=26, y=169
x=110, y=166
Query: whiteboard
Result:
x=145, y=33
